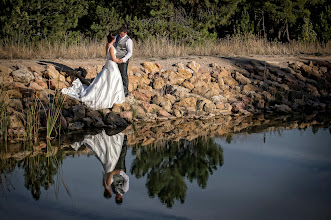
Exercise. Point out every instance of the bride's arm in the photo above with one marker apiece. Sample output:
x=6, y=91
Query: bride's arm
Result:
x=112, y=55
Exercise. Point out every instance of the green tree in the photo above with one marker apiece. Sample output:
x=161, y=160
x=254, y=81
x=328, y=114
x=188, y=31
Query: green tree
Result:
x=167, y=167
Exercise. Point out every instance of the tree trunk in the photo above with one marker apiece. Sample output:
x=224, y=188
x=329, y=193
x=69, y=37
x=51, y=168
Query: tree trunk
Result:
x=287, y=33
x=263, y=26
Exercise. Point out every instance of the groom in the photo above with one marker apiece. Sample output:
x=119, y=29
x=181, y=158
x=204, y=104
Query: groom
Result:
x=123, y=45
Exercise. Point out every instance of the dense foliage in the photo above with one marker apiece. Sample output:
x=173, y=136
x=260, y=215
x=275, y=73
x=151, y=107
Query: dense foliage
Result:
x=167, y=167
x=181, y=20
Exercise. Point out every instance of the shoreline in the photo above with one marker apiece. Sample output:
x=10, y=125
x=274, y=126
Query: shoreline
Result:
x=194, y=87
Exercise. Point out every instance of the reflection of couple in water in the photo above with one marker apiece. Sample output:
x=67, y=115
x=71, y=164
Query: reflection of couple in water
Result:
x=111, y=151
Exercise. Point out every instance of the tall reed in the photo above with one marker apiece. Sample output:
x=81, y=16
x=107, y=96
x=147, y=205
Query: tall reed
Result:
x=54, y=110
x=32, y=120
x=158, y=46
x=4, y=116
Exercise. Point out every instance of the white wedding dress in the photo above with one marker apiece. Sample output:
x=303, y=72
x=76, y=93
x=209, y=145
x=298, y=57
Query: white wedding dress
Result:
x=105, y=90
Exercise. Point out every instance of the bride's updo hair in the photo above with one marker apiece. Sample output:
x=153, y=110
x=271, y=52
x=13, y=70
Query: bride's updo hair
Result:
x=111, y=37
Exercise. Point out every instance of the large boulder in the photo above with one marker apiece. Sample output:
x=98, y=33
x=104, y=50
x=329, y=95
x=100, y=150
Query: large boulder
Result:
x=151, y=67
x=79, y=112
x=194, y=66
x=159, y=83
x=242, y=79
x=115, y=120
x=163, y=101
x=22, y=75
x=206, y=106
x=52, y=73
x=186, y=102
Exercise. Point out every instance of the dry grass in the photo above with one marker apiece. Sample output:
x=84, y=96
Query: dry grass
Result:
x=162, y=47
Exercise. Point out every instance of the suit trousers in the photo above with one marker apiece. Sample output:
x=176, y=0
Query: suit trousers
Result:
x=123, y=67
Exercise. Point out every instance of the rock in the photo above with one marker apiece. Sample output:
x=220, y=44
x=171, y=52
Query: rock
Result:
x=177, y=113
x=218, y=99
x=88, y=122
x=76, y=125
x=151, y=67
x=16, y=104
x=249, y=88
x=52, y=73
x=35, y=69
x=142, y=95
x=158, y=83
x=188, y=85
x=79, y=112
x=194, y=66
x=206, y=106
x=163, y=113
x=164, y=102
x=56, y=84
x=127, y=115
x=322, y=63
x=296, y=65
x=15, y=122
x=228, y=80
x=180, y=92
x=14, y=93
x=41, y=83
x=237, y=106
x=114, y=119
x=92, y=71
x=282, y=108
x=22, y=75
x=150, y=108
x=187, y=102
x=201, y=87
x=312, y=90
x=95, y=116
x=242, y=79
x=212, y=92
x=63, y=121
x=35, y=86
x=138, y=112
x=5, y=71
x=171, y=98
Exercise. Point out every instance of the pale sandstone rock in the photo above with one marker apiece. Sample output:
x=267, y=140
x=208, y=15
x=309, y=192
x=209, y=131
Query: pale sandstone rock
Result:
x=52, y=73
x=127, y=115
x=228, y=80
x=188, y=85
x=56, y=84
x=14, y=93
x=35, y=86
x=22, y=75
x=187, y=102
x=242, y=79
x=194, y=66
x=151, y=67
x=163, y=113
x=158, y=83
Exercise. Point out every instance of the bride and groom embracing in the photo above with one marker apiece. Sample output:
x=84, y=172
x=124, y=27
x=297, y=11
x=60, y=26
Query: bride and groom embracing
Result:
x=110, y=86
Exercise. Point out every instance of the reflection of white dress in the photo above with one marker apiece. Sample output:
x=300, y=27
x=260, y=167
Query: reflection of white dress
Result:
x=105, y=90
x=106, y=148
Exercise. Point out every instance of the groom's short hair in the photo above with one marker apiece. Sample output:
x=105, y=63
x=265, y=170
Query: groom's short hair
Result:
x=124, y=29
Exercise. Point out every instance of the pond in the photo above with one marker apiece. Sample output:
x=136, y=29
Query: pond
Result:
x=270, y=173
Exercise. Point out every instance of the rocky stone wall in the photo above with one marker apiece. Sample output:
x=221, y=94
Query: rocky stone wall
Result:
x=186, y=90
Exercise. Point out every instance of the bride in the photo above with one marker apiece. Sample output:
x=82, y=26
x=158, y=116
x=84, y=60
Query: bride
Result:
x=107, y=87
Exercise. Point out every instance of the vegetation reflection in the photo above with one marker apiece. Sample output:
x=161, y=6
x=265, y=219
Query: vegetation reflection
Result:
x=167, y=166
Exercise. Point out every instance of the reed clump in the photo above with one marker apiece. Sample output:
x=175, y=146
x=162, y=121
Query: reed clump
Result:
x=4, y=115
x=158, y=46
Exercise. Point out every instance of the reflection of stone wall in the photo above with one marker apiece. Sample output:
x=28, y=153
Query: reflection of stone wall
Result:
x=155, y=133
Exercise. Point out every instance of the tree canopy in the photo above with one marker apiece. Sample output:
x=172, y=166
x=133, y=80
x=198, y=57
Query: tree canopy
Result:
x=182, y=20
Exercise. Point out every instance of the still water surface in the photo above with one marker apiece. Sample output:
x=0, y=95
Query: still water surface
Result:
x=267, y=175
